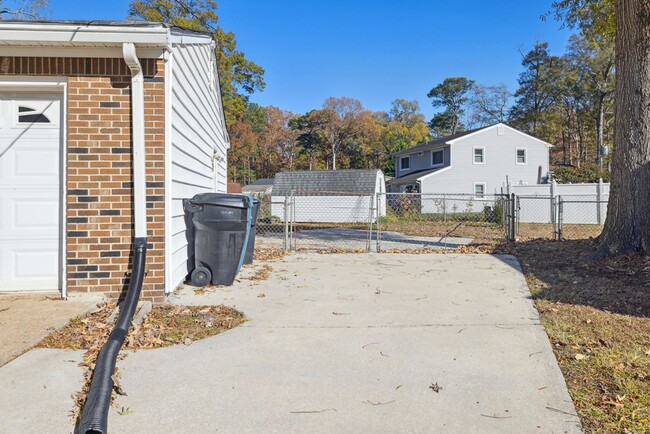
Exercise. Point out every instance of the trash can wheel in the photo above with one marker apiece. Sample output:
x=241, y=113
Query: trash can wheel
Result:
x=201, y=276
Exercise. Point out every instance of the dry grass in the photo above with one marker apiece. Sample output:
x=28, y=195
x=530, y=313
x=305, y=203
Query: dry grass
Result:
x=597, y=316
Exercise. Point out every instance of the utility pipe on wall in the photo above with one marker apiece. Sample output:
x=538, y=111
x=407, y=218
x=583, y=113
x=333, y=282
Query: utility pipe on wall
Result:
x=137, y=130
x=94, y=417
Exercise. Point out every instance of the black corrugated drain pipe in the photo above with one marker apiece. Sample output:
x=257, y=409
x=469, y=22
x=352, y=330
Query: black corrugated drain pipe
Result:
x=94, y=418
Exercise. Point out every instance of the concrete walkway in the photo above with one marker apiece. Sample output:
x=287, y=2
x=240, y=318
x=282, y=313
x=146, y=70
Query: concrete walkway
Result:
x=339, y=344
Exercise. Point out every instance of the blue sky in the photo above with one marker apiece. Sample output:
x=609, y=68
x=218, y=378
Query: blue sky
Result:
x=374, y=51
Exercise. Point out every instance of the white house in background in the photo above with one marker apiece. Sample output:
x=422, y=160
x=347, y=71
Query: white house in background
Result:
x=329, y=196
x=473, y=162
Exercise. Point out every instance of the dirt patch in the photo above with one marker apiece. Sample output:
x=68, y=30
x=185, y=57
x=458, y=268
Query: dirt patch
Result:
x=25, y=319
x=165, y=325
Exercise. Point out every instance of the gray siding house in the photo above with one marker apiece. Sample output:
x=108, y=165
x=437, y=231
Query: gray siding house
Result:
x=472, y=162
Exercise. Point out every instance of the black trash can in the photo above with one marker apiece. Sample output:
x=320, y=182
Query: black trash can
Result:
x=250, y=248
x=221, y=226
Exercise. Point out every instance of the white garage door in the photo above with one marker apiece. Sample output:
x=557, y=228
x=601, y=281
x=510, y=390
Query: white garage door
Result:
x=30, y=192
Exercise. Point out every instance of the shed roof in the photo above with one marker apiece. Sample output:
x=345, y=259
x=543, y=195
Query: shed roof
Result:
x=319, y=182
x=260, y=186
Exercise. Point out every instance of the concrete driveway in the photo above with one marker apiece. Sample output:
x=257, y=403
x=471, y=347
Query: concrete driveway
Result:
x=339, y=344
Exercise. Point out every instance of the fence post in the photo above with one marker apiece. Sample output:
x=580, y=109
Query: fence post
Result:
x=599, y=198
x=511, y=235
x=553, y=188
x=371, y=199
x=286, y=223
x=444, y=208
x=378, y=247
x=560, y=211
x=292, y=217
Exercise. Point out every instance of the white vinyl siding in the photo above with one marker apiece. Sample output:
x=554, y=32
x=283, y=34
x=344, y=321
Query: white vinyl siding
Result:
x=500, y=161
x=198, y=143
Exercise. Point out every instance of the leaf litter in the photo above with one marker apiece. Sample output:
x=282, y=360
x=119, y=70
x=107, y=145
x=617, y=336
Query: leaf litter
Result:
x=164, y=326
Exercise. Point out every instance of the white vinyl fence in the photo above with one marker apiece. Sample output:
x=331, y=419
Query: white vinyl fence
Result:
x=584, y=203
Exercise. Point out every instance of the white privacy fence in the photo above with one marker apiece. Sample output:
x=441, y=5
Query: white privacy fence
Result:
x=538, y=203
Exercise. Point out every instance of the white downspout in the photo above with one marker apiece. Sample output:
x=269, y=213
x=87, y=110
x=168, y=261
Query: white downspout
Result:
x=137, y=131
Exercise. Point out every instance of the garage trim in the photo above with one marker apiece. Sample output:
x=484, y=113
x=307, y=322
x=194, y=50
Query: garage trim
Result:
x=58, y=85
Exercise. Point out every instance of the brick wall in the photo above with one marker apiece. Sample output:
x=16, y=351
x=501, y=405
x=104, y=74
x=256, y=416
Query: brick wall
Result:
x=99, y=180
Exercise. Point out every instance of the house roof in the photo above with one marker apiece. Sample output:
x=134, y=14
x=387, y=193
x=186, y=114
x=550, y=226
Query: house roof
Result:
x=437, y=142
x=151, y=38
x=306, y=183
x=449, y=140
x=412, y=177
x=263, y=181
x=259, y=186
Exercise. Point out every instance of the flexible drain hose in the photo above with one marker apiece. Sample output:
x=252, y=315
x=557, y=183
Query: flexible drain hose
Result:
x=94, y=417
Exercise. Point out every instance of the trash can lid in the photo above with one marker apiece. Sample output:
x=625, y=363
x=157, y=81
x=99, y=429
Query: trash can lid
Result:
x=222, y=199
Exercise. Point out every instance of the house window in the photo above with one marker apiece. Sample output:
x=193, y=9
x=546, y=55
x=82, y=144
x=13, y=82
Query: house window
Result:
x=479, y=155
x=479, y=190
x=28, y=115
x=521, y=156
x=405, y=163
x=437, y=158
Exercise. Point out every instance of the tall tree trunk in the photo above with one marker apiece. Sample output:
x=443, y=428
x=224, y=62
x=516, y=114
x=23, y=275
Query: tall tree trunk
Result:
x=627, y=228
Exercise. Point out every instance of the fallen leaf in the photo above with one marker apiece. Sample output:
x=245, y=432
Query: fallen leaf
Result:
x=580, y=356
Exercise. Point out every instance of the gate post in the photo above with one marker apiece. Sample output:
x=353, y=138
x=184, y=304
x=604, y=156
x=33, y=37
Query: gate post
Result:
x=560, y=211
x=599, y=198
x=513, y=218
x=286, y=223
x=378, y=223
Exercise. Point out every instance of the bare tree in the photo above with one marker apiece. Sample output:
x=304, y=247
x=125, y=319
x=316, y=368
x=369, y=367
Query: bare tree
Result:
x=490, y=104
x=22, y=9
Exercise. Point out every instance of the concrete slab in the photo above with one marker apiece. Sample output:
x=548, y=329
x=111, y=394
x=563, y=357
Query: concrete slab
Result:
x=352, y=343
x=25, y=319
x=357, y=239
x=36, y=391
x=345, y=344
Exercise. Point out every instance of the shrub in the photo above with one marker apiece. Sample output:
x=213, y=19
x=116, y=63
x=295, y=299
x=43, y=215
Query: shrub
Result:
x=585, y=173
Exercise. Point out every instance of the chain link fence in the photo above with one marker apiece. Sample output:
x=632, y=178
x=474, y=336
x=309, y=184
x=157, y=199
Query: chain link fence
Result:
x=536, y=217
x=414, y=220
x=327, y=221
x=272, y=226
x=581, y=216
x=350, y=222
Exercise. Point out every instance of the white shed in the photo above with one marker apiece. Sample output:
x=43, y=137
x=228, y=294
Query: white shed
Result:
x=330, y=196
